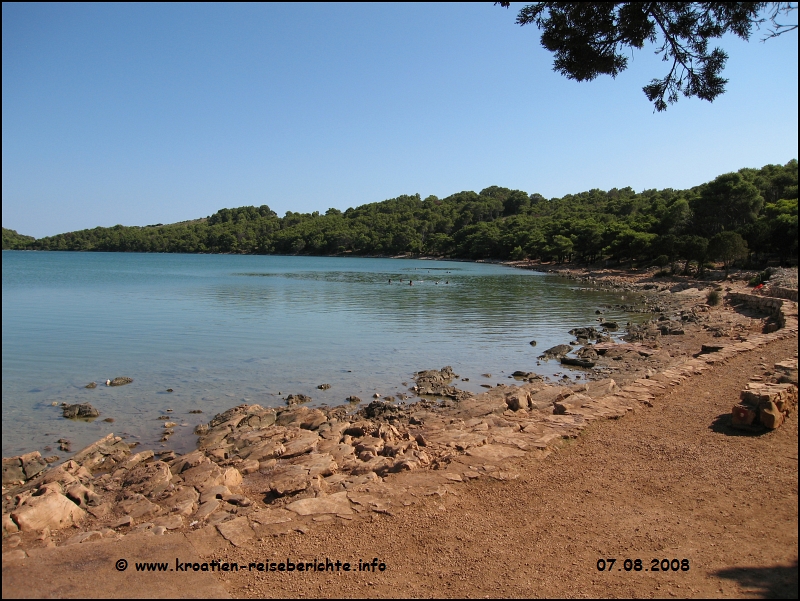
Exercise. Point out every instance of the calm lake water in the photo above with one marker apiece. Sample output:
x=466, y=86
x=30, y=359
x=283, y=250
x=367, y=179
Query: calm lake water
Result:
x=222, y=330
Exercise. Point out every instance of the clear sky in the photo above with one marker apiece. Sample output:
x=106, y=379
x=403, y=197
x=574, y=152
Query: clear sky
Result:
x=155, y=113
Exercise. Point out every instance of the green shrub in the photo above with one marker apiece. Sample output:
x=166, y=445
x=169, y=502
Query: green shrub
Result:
x=661, y=261
x=712, y=298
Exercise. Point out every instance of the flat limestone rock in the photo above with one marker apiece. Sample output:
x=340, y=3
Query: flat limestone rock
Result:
x=288, y=479
x=237, y=531
x=317, y=464
x=336, y=503
x=141, y=508
x=494, y=452
x=170, y=522
x=205, y=474
x=149, y=479
x=303, y=443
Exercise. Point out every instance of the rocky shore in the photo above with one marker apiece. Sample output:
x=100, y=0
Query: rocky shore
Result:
x=264, y=472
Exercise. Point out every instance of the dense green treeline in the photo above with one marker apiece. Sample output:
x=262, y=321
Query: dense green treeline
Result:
x=11, y=239
x=748, y=214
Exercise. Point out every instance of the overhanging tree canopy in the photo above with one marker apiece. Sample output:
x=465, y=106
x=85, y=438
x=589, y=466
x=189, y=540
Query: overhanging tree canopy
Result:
x=593, y=38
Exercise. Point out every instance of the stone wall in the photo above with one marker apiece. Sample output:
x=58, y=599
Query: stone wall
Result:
x=779, y=292
x=765, y=304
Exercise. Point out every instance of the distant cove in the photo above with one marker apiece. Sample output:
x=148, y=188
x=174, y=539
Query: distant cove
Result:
x=227, y=329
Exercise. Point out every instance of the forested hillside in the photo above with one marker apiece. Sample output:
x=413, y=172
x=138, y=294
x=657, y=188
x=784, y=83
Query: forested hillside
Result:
x=751, y=213
x=11, y=239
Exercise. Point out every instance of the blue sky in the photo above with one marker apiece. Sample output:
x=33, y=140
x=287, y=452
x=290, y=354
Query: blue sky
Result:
x=141, y=113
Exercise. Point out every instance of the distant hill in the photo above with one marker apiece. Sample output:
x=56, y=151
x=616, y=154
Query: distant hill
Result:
x=750, y=214
x=13, y=240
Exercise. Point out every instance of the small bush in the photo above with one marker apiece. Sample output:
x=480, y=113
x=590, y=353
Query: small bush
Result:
x=661, y=261
x=755, y=280
x=712, y=298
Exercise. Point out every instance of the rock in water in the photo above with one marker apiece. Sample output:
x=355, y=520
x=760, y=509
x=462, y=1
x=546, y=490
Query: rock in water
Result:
x=91, y=385
x=81, y=411
x=296, y=399
x=120, y=381
x=556, y=352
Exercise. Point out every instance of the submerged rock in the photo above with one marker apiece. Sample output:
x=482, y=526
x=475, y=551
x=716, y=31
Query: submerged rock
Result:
x=556, y=352
x=119, y=381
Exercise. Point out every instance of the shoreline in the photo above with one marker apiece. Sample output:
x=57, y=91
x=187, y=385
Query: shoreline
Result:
x=483, y=430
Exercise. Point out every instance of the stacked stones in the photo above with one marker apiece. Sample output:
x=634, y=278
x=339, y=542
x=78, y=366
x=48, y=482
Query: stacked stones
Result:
x=768, y=404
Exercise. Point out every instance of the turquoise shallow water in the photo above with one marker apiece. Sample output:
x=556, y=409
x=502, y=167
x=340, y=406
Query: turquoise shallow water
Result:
x=222, y=329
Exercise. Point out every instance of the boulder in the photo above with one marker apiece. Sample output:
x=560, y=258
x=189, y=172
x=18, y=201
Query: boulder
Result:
x=573, y=401
x=32, y=464
x=205, y=474
x=120, y=381
x=83, y=496
x=137, y=506
x=370, y=444
x=12, y=470
x=188, y=461
x=289, y=479
x=268, y=449
x=53, y=511
x=296, y=399
x=431, y=376
x=234, y=415
x=103, y=454
x=317, y=464
x=79, y=411
x=231, y=477
x=303, y=442
x=380, y=409
x=150, y=479
x=518, y=399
